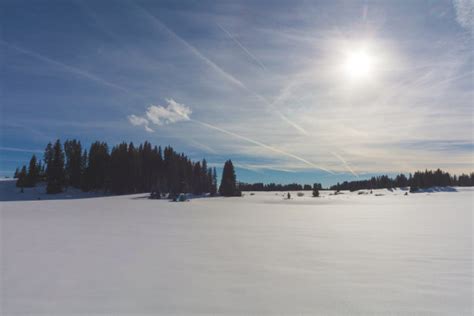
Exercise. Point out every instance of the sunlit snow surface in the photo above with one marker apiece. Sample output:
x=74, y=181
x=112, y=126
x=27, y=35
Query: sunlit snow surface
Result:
x=346, y=254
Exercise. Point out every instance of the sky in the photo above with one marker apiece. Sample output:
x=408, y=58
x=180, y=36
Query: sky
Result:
x=291, y=91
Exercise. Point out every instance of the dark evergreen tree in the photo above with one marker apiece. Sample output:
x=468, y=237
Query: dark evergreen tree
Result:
x=83, y=180
x=48, y=154
x=213, y=190
x=97, y=167
x=197, y=178
x=228, y=185
x=204, y=178
x=40, y=171
x=315, y=190
x=74, y=165
x=22, y=178
x=16, y=174
x=55, y=174
x=119, y=169
x=33, y=173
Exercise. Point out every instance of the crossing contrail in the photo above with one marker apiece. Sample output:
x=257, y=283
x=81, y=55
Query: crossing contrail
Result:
x=252, y=56
x=219, y=70
x=260, y=144
x=345, y=163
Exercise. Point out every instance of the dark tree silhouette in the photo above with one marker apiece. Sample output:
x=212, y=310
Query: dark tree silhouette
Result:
x=419, y=180
x=74, y=165
x=273, y=187
x=22, y=178
x=228, y=185
x=130, y=169
x=316, y=190
x=33, y=175
x=55, y=174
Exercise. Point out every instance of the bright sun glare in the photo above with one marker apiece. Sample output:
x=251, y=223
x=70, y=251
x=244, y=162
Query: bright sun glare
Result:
x=358, y=65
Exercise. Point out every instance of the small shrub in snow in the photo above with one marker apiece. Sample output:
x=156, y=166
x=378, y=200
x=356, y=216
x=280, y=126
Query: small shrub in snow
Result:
x=300, y=194
x=316, y=190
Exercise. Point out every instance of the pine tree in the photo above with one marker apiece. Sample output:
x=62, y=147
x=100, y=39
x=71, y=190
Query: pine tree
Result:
x=73, y=152
x=55, y=174
x=33, y=174
x=48, y=154
x=197, y=179
x=22, y=178
x=84, y=182
x=40, y=171
x=97, y=166
x=228, y=182
x=16, y=174
x=214, y=182
x=315, y=190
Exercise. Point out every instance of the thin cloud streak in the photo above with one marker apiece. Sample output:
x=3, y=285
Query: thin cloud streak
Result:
x=71, y=69
x=140, y=121
x=23, y=150
x=345, y=164
x=191, y=48
x=252, y=56
x=255, y=142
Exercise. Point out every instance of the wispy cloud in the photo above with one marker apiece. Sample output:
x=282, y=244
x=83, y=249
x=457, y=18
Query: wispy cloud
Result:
x=69, y=68
x=171, y=113
x=465, y=13
x=140, y=121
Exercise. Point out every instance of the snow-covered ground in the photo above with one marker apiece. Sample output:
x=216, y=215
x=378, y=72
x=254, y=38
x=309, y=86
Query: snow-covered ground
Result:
x=260, y=254
x=9, y=192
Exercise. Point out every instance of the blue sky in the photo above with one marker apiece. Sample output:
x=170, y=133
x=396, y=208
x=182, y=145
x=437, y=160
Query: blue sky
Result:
x=290, y=90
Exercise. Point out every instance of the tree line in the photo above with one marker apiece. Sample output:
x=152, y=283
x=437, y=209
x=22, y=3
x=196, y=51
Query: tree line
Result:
x=124, y=169
x=418, y=180
x=127, y=169
x=277, y=187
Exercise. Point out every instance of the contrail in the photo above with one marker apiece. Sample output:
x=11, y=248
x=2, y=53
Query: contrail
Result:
x=218, y=69
x=21, y=150
x=345, y=163
x=237, y=82
x=242, y=47
x=69, y=68
x=260, y=144
x=242, y=85
x=202, y=146
x=193, y=49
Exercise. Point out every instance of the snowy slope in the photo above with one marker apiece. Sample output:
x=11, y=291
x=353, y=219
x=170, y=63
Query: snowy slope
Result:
x=260, y=254
x=9, y=192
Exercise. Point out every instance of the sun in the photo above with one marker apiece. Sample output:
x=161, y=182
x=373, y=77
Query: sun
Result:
x=358, y=64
